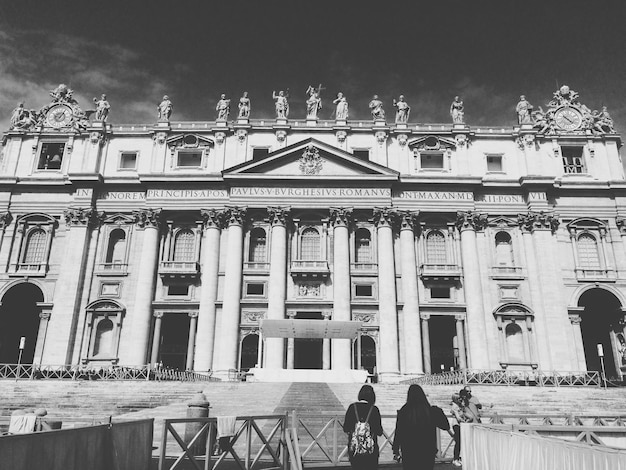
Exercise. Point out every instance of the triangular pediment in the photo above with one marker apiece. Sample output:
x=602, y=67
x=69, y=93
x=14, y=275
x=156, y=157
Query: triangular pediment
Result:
x=311, y=159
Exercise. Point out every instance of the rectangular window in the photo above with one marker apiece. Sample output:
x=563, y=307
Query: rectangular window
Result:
x=255, y=288
x=573, y=162
x=431, y=161
x=128, y=161
x=51, y=156
x=440, y=293
x=494, y=163
x=189, y=160
x=178, y=290
x=361, y=154
x=259, y=153
x=363, y=290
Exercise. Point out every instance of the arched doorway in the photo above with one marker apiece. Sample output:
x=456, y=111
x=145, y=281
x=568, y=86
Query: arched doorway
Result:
x=249, y=351
x=602, y=322
x=19, y=317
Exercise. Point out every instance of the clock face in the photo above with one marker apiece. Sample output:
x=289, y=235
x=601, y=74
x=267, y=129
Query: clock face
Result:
x=59, y=116
x=568, y=119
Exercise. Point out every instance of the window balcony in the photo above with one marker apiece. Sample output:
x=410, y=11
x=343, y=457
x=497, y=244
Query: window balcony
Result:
x=364, y=267
x=508, y=272
x=256, y=266
x=29, y=269
x=440, y=272
x=179, y=269
x=309, y=269
x=112, y=269
x=595, y=275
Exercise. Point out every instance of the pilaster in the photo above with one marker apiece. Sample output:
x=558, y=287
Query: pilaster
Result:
x=341, y=348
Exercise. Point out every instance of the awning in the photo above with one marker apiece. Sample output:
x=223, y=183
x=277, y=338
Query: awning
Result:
x=292, y=328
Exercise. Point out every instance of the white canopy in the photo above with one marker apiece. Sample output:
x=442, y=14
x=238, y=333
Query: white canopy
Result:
x=292, y=328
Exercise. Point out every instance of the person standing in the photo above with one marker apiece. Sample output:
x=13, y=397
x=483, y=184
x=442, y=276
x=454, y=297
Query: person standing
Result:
x=415, y=440
x=363, y=419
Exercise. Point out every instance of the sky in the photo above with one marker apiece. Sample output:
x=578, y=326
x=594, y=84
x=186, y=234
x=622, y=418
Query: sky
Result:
x=488, y=52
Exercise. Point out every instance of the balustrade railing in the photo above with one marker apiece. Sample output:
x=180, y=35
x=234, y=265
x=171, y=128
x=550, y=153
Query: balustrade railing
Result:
x=511, y=377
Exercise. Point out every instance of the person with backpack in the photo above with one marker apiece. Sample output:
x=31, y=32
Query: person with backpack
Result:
x=415, y=439
x=363, y=425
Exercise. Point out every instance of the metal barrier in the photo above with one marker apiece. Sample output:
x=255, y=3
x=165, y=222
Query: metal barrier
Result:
x=79, y=372
x=510, y=377
x=258, y=440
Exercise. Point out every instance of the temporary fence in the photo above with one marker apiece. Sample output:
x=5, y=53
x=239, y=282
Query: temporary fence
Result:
x=511, y=377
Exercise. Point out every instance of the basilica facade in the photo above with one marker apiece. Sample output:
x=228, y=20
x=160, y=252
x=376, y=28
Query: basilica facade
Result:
x=305, y=244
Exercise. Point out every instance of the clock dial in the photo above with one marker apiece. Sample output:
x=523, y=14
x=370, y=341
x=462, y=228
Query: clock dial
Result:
x=59, y=116
x=568, y=119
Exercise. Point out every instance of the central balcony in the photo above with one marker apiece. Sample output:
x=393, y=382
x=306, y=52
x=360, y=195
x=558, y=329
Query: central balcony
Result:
x=440, y=272
x=309, y=269
x=179, y=269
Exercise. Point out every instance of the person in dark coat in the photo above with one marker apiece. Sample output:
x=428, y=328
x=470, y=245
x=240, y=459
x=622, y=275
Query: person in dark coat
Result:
x=363, y=407
x=415, y=440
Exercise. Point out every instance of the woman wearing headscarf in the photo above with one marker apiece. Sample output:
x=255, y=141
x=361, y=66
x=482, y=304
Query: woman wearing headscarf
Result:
x=363, y=411
x=415, y=439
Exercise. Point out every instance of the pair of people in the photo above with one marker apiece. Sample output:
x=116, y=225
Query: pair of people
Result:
x=465, y=409
x=415, y=439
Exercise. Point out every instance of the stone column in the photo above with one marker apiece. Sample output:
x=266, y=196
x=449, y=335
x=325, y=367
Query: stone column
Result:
x=156, y=337
x=412, y=335
x=387, y=303
x=341, y=348
x=468, y=223
x=426, y=341
x=69, y=286
x=191, y=345
x=326, y=347
x=460, y=340
x=150, y=221
x=228, y=335
x=275, y=356
x=204, y=354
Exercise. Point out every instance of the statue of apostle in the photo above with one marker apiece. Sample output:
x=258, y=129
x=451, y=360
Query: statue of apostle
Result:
x=282, y=105
x=523, y=110
x=222, y=108
x=314, y=102
x=244, y=106
x=164, y=109
x=457, y=111
x=402, y=110
x=102, y=108
x=341, y=112
x=376, y=107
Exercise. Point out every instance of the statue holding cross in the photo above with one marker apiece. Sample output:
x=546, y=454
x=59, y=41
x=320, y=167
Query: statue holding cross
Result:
x=314, y=102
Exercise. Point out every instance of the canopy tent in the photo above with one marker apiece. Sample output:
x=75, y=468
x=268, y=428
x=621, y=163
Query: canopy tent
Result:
x=294, y=328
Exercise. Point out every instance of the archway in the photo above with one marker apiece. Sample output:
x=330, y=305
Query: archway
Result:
x=249, y=351
x=602, y=321
x=19, y=317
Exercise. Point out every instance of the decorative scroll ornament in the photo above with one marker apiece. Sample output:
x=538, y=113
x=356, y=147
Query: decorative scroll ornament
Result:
x=235, y=215
x=241, y=135
x=252, y=317
x=212, y=218
x=364, y=317
x=471, y=221
x=461, y=140
x=407, y=219
x=402, y=139
x=538, y=221
x=281, y=136
x=82, y=216
x=219, y=137
x=278, y=215
x=341, y=136
x=311, y=163
x=160, y=137
x=340, y=216
x=381, y=137
x=309, y=290
x=383, y=216
x=148, y=218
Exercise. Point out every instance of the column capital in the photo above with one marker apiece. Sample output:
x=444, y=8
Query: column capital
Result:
x=407, y=220
x=384, y=216
x=157, y=314
x=470, y=220
x=340, y=216
x=212, y=218
x=82, y=216
x=44, y=315
x=575, y=319
x=148, y=218
x=538, y=221
x=235, y=215
x=5, y=219
x=193, y=314
x=278, y=215
x=621, y=224
x=459, y=317
x=425, y=316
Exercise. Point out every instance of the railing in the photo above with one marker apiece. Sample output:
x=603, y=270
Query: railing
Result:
x=440, y=270
x=598, y=274
x=364, y=266
x=509, y=272
x=511, y=377
x=112, y=268
x=258, y=441
x=31, y=269
x=314, y=267
x=256, y=266
x=80, y=372
x=179, y=267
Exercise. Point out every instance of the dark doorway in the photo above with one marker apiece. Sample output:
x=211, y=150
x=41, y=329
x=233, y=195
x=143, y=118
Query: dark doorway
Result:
x=601, y=320
x=442, y=332
x=19, y=316
x=368, y=353
x=174, y=340
x=308, y=352
x=249, y=352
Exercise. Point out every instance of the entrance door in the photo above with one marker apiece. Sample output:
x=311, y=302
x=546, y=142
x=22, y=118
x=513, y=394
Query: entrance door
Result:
x=174, y=340
x=308, y=352
x=19, y=317
x=442, y=332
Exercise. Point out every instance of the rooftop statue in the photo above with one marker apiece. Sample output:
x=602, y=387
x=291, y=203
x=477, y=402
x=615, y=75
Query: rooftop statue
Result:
x=17, y=114
x=402, y=110
x=457, y=111
x=223, y=108
x=341, y=111
x=23, y=119
x=102, y=108
x=602, y=121
x=282, y=105
x=523, y=109
x=314, y=102
x=63, y=94
x=164, y=109
x=244, y=106
x=376, y=107
x=564, y=96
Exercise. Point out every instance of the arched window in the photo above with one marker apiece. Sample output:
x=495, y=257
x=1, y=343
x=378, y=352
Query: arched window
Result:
x=184, y=246
x=35, y=251
x=310, y=245
x=363, y=248
x=103, y=343
x=116, y=250
x=588, y=254
x=504, y=249
x=258, y=246
x=436, y=248
x=514, y=342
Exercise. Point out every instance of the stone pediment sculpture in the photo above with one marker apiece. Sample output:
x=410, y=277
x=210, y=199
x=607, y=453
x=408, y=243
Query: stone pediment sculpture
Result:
x=311, y=162
x=566, y=114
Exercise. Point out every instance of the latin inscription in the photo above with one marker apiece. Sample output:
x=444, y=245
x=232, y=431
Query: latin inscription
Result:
x=123, y=196
x=503, y=198
x=312, y=192
x=187, y=193
x=437, y=195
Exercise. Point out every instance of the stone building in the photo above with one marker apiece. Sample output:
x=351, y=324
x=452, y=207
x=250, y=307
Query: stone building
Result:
x=293, y=246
